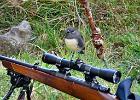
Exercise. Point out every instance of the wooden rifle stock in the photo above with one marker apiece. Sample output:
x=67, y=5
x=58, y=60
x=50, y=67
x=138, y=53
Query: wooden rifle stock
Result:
x=56, y=80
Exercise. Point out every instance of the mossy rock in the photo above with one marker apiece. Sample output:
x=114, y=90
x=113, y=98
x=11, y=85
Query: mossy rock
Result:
x=6, y=48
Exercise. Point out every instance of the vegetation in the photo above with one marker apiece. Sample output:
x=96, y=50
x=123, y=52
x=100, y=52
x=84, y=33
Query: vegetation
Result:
x=119, y=21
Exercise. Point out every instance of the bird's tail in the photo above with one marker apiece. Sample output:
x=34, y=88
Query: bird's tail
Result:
x=82, y=51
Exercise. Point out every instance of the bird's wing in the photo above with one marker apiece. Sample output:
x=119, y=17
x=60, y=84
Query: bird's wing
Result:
x=81, y=42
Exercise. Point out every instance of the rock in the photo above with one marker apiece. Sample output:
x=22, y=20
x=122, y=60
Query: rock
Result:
x=15, y=3
x=12, y=41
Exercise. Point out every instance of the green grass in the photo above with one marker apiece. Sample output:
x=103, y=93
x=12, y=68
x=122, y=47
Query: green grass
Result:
x=119, y=22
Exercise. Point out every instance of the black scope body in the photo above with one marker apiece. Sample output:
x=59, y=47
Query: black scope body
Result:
x=106, y=74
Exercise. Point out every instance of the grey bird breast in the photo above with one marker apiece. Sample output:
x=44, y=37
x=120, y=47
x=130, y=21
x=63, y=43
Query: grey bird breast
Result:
x=72, y=44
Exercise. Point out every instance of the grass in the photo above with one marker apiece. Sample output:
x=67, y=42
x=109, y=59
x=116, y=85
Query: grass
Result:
x=119, y=23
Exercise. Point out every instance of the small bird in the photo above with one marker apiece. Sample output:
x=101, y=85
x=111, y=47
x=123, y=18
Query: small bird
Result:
x=74, y=41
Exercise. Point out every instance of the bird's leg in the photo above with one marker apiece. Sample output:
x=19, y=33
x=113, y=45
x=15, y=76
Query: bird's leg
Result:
x=78, y=57
x=72, y=55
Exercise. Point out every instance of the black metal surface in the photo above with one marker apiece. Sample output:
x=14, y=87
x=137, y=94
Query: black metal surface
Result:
x=17, y=81
x=11, y=90
x=109, y=75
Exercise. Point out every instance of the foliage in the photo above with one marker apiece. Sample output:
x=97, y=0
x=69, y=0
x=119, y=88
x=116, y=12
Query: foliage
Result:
x=119, y=23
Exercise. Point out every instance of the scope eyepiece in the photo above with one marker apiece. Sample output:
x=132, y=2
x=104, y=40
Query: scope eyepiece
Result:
x=106, y=74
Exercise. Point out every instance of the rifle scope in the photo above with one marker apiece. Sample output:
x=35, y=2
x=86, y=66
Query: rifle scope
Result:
x=106, y=74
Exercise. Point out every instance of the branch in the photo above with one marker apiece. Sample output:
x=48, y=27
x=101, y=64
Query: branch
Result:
x=97, y=38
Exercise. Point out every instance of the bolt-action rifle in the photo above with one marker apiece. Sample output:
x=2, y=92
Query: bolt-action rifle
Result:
x=85, y=89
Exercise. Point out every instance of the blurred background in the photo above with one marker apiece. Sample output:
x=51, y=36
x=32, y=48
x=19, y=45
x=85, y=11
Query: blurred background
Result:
x=119, y=21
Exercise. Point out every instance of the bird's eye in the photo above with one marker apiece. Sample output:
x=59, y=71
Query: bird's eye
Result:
x=68, y=31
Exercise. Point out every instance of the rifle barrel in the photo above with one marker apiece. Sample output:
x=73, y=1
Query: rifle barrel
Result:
x=15, y=61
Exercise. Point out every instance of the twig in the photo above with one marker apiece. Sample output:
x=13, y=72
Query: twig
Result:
x=97, y=39
x=79, y=18
x=129, y=71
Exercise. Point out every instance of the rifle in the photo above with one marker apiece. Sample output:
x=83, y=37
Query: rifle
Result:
x=85, y=89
